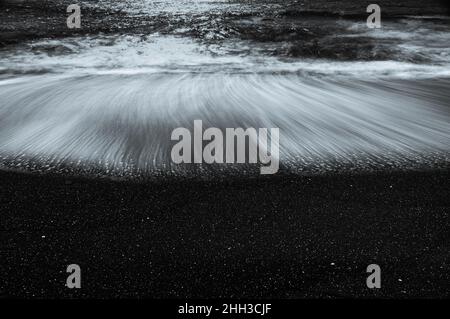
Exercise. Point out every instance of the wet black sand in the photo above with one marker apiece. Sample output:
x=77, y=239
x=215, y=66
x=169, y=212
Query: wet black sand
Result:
x=280, y=237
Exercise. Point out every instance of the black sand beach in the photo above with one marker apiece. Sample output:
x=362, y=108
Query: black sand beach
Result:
x=276, y=237
x=366, y=123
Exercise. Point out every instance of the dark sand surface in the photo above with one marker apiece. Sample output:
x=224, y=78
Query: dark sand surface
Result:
x=281, y=237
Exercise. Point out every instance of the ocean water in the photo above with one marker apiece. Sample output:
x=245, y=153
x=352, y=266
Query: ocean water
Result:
x=106, y=104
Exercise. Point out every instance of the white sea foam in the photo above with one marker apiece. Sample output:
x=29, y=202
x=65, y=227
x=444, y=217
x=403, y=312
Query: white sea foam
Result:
x=158, y=54
x=112, y=101
x=123, y=123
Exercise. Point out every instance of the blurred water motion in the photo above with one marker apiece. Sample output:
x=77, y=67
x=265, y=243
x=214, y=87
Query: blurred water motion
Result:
x=110, y=102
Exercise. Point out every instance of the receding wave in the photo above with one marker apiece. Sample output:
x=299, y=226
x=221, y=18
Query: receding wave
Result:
x=357, y=99
x=121, y=124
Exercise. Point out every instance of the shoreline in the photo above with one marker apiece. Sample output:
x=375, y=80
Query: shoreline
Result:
x=365, y=156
